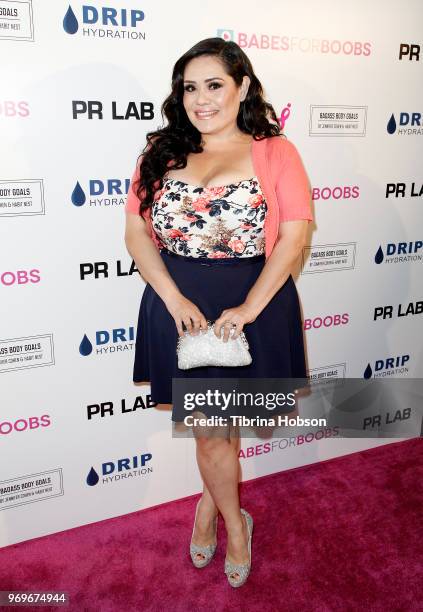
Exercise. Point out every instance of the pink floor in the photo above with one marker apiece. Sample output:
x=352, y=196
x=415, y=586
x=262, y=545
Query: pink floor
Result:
x=342, y=535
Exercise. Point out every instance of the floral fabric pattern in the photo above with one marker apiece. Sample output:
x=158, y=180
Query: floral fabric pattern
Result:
x=214, y=222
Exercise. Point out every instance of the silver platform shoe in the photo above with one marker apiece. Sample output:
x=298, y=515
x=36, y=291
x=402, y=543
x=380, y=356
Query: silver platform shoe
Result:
x=243, y=569
x=207, y=551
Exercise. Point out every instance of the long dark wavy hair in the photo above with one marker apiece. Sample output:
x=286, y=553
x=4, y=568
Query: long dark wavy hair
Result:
x=179, y=137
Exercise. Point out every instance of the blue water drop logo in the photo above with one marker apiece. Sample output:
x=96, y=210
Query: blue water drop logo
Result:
x=368, y=372
x=70, y=22
x=392, y=125
x=85, y=348
x=379, y=255
x=78, y=195
x=92, y=478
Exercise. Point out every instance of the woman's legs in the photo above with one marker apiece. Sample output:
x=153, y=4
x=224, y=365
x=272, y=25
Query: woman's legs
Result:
x=217, y=458
x=204, y=530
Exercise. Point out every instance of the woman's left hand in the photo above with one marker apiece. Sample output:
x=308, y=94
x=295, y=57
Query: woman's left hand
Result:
x=240, y=315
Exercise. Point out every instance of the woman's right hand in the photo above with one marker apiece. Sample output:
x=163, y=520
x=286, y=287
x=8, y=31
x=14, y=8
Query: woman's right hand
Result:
x=186, y=312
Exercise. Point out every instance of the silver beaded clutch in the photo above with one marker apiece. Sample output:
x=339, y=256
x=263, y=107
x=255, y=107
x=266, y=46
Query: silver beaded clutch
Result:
x=206, y=349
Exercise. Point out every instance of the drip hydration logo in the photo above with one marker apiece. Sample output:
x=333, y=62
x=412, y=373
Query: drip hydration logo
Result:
x=102, y=193
x=106, y=342
x=387, y=367
x=78, y=197
x=127, y=467
x=109, y=22
x=412, y=120
x=399, y=252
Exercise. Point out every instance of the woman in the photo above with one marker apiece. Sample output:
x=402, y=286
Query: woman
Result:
x=217, y=214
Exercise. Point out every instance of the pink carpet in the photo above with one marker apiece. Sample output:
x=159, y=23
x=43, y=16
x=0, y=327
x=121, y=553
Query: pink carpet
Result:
x=342, y=535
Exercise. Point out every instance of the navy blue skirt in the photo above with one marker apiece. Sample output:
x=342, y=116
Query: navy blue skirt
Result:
x=275, y=338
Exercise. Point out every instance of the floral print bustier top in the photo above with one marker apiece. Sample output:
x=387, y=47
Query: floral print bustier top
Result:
x=215, y=222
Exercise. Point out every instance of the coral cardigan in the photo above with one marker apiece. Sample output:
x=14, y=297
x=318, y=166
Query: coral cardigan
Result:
x=284, y=182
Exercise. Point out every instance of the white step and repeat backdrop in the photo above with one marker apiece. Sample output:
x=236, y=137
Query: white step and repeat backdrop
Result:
x=81, y=84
